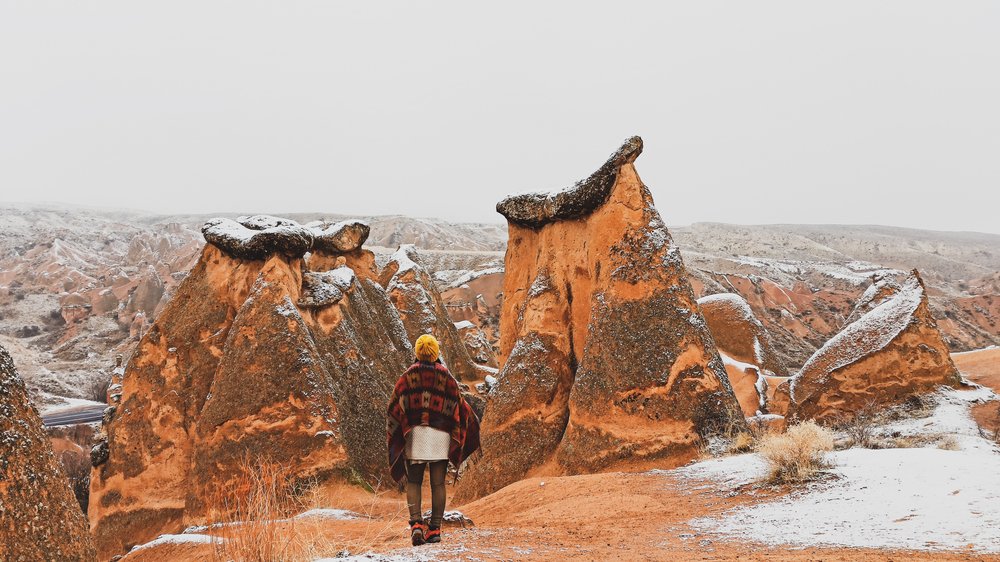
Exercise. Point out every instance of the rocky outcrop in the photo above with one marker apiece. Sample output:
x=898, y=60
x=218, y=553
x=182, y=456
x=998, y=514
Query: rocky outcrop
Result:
x=746, y=349
x=607, y=363
x=479, y=348
x=422, y=311
x=265, y=359
x=892, y=351
x=39, y=517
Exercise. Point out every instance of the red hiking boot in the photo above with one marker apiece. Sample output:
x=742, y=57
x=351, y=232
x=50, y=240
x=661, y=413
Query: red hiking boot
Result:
x=418, y=532
x=433, y=535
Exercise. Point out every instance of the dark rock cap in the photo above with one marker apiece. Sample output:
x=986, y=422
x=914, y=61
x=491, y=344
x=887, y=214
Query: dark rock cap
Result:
x=258, y=236
x=345, y=236
x=535, y=210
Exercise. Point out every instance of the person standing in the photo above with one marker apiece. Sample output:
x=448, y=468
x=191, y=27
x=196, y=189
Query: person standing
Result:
x=429, y=424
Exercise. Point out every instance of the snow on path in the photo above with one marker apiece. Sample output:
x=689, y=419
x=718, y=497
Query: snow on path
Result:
x=918, y=499
x=178, y=539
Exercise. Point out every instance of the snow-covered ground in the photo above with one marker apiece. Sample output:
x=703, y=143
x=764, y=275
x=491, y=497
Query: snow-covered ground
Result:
x=927, y=498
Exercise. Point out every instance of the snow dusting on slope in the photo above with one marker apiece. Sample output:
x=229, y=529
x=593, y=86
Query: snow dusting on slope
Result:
x=868, y=334
x=178, y=539
x=916, y=498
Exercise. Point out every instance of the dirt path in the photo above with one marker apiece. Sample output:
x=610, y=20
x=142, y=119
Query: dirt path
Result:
x=608, y=517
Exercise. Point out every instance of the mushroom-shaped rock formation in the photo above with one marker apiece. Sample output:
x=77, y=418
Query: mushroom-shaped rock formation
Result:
x=745, y=347
x=39, y=517
x=259, y=236
x=607, y=363
x=341, y=243
x=891, y=352
x=422, y=311
x=251, y=359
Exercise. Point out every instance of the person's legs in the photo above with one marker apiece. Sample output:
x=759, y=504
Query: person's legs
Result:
x=439, y=469
x=414, y=481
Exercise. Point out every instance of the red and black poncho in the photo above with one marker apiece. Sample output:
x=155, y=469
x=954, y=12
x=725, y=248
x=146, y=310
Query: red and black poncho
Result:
x=427, y=394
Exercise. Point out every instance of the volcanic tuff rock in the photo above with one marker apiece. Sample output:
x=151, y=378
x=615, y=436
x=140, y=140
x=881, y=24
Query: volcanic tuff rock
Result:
x=746, y=349
x=414, y=295
x=39, y=517
x=252, y=358
x=891, y=352
x=607, y=362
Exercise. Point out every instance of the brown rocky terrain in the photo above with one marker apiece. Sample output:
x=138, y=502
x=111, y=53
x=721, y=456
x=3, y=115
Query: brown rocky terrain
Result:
x=606, y=360
x=753, y=366
x=259, y=354
x=39, y=517
x=415, y=296
x=892, y=351
x=802, y=282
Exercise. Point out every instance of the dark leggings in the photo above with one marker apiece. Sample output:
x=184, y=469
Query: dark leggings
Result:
x=414, y=482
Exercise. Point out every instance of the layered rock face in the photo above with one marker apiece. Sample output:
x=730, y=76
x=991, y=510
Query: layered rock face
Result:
x=259, y=356
x=39, y=517
x=422, y=311
x=751, y=362
x=892, y=351
x=607, y=362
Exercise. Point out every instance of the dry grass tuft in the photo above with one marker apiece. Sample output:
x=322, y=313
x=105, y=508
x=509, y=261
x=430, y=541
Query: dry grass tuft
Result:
x=798, y=454
x=252, y=514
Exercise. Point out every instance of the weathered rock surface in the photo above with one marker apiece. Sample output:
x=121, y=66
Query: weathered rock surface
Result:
x=891, y=352
x=746, y=349
x=258, y=236
x=413, y=293
x=342, y=237
x=608, y=364
x=253, y=359
x=39, y=517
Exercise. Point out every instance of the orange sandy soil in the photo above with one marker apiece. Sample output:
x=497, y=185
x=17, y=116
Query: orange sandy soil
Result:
x=982, y=367
x=608, y=517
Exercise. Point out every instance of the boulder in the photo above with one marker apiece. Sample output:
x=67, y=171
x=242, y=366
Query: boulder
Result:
x=745, y=347
x=891, y=352
x=261, y=359
x=607, y=362
x=39, y=517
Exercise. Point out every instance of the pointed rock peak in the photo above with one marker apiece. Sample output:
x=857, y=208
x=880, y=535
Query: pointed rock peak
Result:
x=537, y=209
x=258, y=236
x=897, y=339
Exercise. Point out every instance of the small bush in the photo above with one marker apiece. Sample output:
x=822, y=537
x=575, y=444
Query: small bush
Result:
x=860, y=426
x=797, y=455
x=251, y=511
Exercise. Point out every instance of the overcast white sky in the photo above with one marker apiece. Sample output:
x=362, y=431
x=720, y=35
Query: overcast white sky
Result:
x=751, y=112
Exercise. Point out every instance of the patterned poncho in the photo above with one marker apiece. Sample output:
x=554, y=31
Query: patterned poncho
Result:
x=428, y=395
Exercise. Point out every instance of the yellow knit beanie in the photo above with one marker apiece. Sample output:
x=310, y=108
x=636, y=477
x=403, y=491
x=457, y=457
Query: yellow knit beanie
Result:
x=427, y=348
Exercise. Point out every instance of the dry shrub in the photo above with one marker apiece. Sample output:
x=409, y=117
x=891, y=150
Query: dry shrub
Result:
x=949, y=443
x=252, y=515
x=860, y=426
x=798, y=454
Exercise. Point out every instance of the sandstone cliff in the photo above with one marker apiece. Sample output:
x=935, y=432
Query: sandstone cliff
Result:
x=892, y=351
x=39, y=517
x=751, y=362
x=607, y=362
x=257, y=355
